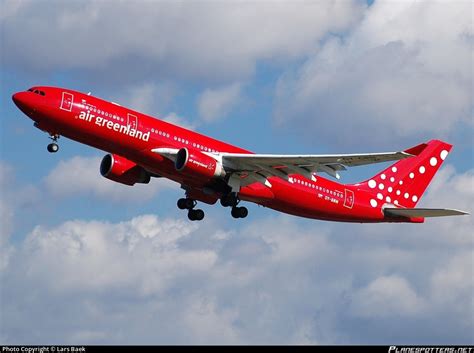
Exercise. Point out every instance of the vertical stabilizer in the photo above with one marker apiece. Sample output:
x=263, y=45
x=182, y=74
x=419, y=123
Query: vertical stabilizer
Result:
x=404, y=182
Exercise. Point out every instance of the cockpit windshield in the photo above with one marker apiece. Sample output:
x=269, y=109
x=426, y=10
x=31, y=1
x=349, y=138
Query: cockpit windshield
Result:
x=36, y=91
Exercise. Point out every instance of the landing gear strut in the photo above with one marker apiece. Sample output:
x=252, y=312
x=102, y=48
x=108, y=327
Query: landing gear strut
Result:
x=53, y=147
x=189, y=204
x=231, y=200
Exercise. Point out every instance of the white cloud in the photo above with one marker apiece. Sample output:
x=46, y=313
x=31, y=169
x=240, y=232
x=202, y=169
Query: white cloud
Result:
x=387, y=296
x=150, y=246
x=213, y=104
x=175, y=119
x=80, y=175
x=149, y=98
x=403, y=72
x=153, y=99
x=155, y=280
x=215, y=41
x=13, y=198
x=6, y=178
x=6, y=215
x=280, y=279
x=450, y=189
x=190, y=289
x=10, y=9
x=450, y=284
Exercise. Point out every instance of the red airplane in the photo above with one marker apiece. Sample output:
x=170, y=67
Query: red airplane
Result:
x=141, y=147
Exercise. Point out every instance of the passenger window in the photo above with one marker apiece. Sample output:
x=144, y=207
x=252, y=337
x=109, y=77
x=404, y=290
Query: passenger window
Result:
x=42, y=93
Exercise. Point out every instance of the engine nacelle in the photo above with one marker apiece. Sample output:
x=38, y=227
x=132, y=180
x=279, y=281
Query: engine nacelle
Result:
x=197, y=164
x=121, y=170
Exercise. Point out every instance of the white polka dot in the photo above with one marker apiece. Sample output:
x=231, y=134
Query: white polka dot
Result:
x=392, y=179
x=396, y=202
x=412, y=175
x=383, y=176
x=372, y=184
x=433, y=161
x=380, y=196
x=373, y=203
x=414, y=198
x=406, y=195
x=394, y=169
x=422, y=170
x=388, y=199
x=398, y=192
x=381, y=186
x=443, y=154
x=390, y=189
x=401, y=182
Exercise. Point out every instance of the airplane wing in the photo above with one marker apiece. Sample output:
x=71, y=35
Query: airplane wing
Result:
x=261, y=166
x=423, y=212
x=282, y=165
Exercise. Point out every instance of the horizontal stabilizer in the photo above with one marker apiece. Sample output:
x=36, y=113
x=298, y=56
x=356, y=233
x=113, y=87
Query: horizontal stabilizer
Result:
x=422, y=212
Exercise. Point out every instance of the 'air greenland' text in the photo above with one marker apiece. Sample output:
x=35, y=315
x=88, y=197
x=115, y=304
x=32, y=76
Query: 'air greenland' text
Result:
x=112, y=125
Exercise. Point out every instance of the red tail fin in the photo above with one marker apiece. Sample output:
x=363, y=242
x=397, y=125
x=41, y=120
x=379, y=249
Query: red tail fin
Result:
x=404, y=182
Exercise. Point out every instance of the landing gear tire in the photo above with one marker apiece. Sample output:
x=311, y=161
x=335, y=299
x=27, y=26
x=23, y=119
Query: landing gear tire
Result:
x=53, y=147
x=239, y=212
x=196, y=215
x=243, y=212
x=181, y=205
x=186, y=204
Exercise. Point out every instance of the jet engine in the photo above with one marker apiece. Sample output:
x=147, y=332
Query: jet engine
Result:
x=121, y=170
x=197, y=164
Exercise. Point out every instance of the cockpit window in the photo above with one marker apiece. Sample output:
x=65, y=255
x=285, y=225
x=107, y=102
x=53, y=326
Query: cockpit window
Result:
x=36, y=91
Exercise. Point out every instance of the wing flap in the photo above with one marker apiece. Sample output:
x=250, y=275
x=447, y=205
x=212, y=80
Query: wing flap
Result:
x=422, y=212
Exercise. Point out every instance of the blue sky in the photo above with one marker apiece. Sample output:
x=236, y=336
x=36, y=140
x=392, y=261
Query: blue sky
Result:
x=84, y=260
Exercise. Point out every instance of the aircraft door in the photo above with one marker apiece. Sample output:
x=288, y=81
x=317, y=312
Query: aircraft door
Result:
x=348, y=198
x=132, y=121
x=67, y=101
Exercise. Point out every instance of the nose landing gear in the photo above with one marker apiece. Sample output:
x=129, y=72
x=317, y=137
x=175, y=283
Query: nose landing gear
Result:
x=53, y=147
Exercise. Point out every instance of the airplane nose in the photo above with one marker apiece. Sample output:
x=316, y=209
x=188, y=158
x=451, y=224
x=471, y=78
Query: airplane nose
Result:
x=21, y=101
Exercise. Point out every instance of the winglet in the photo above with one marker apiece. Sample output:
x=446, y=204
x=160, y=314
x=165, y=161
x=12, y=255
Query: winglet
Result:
x=415, y=151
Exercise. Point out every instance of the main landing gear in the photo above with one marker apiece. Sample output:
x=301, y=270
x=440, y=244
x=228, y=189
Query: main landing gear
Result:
x=53, y=147
x=189, y=204
x=231, y=200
